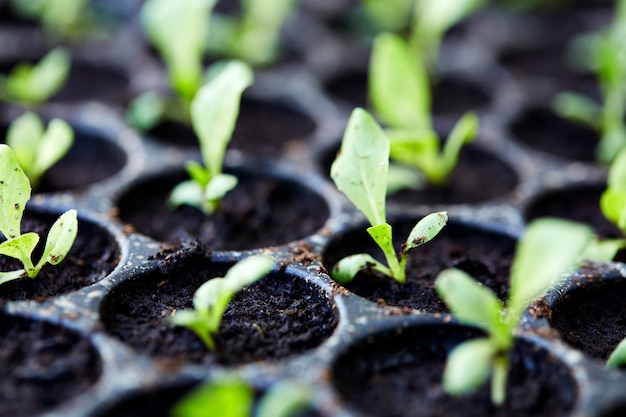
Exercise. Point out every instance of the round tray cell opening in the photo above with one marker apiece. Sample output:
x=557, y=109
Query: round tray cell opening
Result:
x=261, y=211
x=398, y=373
x=94, y=255
x=483, y=254
x=280, y=316
x=44, y=366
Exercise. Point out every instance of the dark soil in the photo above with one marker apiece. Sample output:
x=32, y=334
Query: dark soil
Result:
x=90, y=159
x=400, y=375
x=88, y=81
x=592, y=317
x=92, y=257
x=279, y=316
x=479, y=176
x=577, y=203
x=42, y=366
x=483, y=254
x=263, y=129
x=451, y=96
x=541, y=129
x=260, y=211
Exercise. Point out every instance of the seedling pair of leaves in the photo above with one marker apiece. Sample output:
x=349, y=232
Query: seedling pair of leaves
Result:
x=212, y=297
x=214, y=113
x=65, y=18
x=253, y=36
x=30, y=85
x=36, y=149
x=399, y=91
x=179, y=30
x=233, y=397
x=547, y=249
x=360, y=172
x=606, y=53
x=14, y=194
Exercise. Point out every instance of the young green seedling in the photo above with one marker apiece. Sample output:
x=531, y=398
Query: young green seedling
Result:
x=37, y=149
x=214, y=113
x=399, y=92
x=212, y=298
x=233, y=397
x=547, y=249
x=60, y=17
x=360, y=172
x=14, y=194
x=254, y=36
x=30, y=85
x=608, y=61
x=392, y=15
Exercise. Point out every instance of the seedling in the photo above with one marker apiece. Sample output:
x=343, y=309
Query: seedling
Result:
x=214, y=113
x=212, y=298
x=608, y=61
x=399, y=92
x=30, y=84
x=61, y=17
x=547, y=249
x=36, y=149
x=360, y=172
x=14, y=194
x=390, y=15
x=254, y=36
x=233, y=397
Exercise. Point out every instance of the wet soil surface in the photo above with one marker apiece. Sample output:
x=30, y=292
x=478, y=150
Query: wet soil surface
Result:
x=279, y=316
x=398, y=376
x=93, y=256
x=543, y=130
x=263, y=129
x=592, y=318
x=577, y=203
x=42, y=366
x=260, y=211
x=484, y=255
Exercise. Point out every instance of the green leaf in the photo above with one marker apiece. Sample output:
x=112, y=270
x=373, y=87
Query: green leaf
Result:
x=463, y=133
x=284, y=399
x=346, y=269
x=468, y=300
x=468, y=366
x=613, y=205
x=219, y=186
x=14, y=193
x=229, y=398
x=618, y=356
x=603, y=250
x=145, y=111
x=360, y=169
x=20, y=247
x=23, y=138
x=37, y=83
x=53, y=146
x=382, y=235
x=11, y=275
x=401, y=177
x=214, y=112
x=425, y=230
x=60, y=239
x=547, y=249
x=187, y=192
x=617, y=172
x=248, y=271
x=579, y=108
x=198, y=173
x=399, y=89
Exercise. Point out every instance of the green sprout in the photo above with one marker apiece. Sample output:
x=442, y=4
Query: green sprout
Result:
x=390, y=15
x=36, y=149
x=399, y=92
x=178, y=29
x=254, y=36
x=214, y=113
x=547, y=249
x=360, y=172
x=212, y=298
x=14, y=194
x=60, y=17
x=30, y=84
x=607, y=57
x=233, y=397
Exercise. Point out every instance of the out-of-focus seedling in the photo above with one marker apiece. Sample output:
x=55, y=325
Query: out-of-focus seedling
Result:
x=214, y=113
x=392, y=15
x=399, y=92
x=546, y=250
x=212, y=298
x=254, y=36
x=14, y=194
x=66, y=18
x=36, y=149
x=30, y=84
x=233, y=397
x=606, y=54
x=360, y=172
